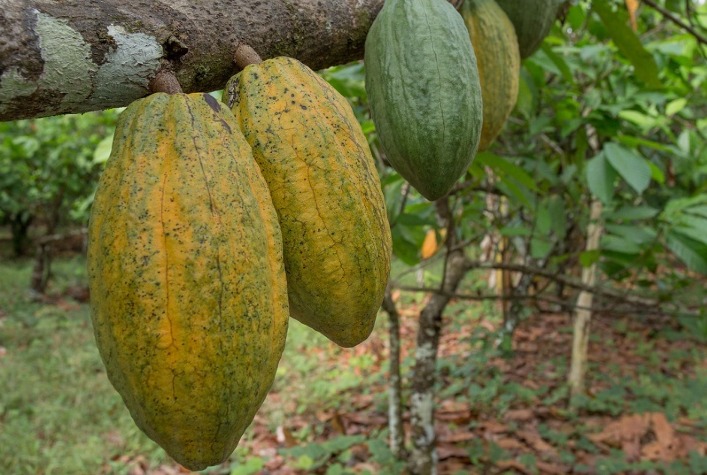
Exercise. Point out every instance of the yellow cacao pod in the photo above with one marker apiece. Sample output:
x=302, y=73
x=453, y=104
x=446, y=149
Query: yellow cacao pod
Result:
x=188, y=291
x=326, y=190
x=498, y=60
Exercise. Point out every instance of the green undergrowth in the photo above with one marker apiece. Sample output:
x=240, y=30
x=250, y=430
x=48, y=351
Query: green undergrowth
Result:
x=59, y=414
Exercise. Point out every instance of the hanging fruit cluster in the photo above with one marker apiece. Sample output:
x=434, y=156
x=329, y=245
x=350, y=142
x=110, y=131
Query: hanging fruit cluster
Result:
x=213, y=224
x=210, y=227
x=441, y=84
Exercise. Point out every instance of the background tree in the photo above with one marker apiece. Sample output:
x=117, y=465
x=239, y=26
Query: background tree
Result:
x=49, y=171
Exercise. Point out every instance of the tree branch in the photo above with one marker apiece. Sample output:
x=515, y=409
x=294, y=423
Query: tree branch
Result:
x=648, y=305
x=63, y=57
x=568, y=281
x=606, y=308
x=678, y=21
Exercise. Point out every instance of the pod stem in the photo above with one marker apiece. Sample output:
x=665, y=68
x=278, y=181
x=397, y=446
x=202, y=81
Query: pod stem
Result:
x=245, y=55
x=165, y=81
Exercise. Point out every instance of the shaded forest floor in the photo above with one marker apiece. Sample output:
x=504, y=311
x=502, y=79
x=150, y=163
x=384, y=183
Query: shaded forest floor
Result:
x=645, y=410
x=496, y=413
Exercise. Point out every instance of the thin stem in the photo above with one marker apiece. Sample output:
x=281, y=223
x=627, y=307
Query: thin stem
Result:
x=678, y=21
x=165, y=81
x=245, y=56
x=395, y=404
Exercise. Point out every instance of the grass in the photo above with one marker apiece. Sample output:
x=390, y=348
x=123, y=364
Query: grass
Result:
x=58, y=412
x=60, y=415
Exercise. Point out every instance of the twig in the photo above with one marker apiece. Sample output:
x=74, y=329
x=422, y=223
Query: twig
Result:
x=165, y=81
x=678, y=21
x=406, y=192
x=536, y=297
x=606, y=309
x=60, y=237
x=568, y=281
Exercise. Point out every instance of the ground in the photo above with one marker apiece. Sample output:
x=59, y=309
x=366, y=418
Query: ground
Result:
x=327, y=412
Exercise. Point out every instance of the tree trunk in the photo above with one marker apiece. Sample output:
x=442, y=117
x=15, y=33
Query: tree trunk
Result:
x=19, y=226
x=61, y=57
x=423, y=459
x=583, y=314
x=516, y=307
x=395, y=398
x=42, y=268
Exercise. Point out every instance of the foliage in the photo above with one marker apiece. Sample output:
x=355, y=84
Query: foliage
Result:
x=593, y=119
x=604, y=113
x=50, y=159
x=47, y=167
x=60, y=414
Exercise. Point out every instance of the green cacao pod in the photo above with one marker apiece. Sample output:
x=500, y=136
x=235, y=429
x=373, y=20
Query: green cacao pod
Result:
x=498, y=60
x=424, y=93
x=532, y=20
x=188, y=290
x=326, y=190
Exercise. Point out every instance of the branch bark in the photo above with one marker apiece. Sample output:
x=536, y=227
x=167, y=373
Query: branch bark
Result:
x=64, y=57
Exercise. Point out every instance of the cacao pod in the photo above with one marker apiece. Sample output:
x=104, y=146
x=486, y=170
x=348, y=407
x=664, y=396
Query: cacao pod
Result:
x=498, y=61
x=532, y=20
x=423, y=89
x=187, y=282
x=326, y=190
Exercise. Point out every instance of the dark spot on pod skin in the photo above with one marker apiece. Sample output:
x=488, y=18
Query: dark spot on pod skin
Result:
x=213, y=103
x=226, y=126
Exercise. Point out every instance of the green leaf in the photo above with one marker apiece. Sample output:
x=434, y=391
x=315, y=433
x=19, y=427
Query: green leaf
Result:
x=404, y=248
x=696, y=230
x=559, y=62
x=540, y=247
x=628, y=43
x=304, y=462
x=632, y=167
x=610, y=242
x=636, y=234
x=409, y=219
x=642, y=120
x=691, y=252
x=517, y=193
x=601, y=177
x=103, y=149
x=503, y=166
x=656, y=173
x=558, y=216
x=587, y=258
x=513, y=231
x=632, y=213
x=641, y=141
x=527, y=93
x=675, y=106
x=250, y=467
